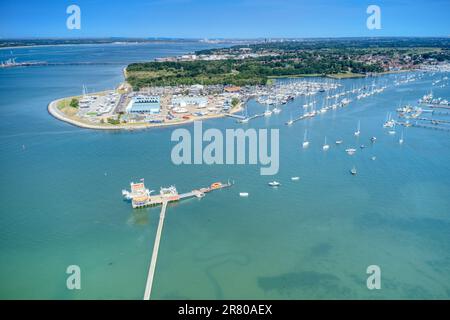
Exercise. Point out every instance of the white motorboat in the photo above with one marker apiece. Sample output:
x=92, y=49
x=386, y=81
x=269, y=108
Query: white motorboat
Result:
x=325, y=145
x=274, y=184
x=350, y=151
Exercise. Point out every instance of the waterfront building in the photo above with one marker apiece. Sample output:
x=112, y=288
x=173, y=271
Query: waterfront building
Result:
x=232, y=89
x=183, y=101
x=144, y=104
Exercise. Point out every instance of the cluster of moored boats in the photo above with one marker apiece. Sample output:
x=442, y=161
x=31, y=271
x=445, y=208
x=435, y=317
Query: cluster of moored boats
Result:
x=390, y=123
x=284, y=92
x=429, y=99
x=341, y=100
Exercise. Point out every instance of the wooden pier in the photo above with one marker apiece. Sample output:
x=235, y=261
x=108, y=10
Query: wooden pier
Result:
x=435, y=127
x=235, y=116
x=140, y=197
x=152, y=268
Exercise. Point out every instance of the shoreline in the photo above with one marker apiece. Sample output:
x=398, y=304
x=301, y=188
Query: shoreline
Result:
x=53, y=110
x=85, y=44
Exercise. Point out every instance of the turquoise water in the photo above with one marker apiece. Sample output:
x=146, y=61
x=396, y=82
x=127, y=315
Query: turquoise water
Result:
x=61, y=202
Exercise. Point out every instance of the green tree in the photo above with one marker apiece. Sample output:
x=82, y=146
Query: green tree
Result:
x=234, y=102
x=74, y=103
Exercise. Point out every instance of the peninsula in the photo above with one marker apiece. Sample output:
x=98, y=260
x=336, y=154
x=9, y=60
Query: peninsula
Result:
x=218, y=82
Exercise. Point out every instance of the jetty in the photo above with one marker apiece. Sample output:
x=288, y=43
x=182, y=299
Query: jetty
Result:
x=141, y=197
x=152, y=268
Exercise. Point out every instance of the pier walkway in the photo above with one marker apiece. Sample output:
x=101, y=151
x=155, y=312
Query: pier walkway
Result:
x=236, y=116
x=151, y=270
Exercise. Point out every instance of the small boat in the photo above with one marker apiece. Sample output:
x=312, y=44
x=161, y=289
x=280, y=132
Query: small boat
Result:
x=374, y=158
x=373, y=139
x=353, y=171
x=295, y=178
x=392, y=131
x=350, y=151
x=276, y=110
x=325, y=145
x=274, y=184
x=243, y=194
x=362, y=146
x=339, y=142
x=305, y=141
x=127, y=195
x=358, y=131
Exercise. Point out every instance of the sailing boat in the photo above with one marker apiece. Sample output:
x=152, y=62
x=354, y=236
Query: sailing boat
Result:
x=358, y=131
x=353, y=171
x=305, y=141
x=325, y=145
x=401, y=139
x=268, y=113
x=276, y=110
x=392, y=131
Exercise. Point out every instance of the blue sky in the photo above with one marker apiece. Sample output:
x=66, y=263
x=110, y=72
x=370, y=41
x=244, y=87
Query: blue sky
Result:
x=223, y=18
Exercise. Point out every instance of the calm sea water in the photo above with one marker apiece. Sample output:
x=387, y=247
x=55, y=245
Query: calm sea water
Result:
x=61, y=203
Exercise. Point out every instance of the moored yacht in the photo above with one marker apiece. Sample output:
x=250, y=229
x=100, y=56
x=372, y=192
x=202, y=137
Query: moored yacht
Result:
x=325, y=145
x=358, y=131
x=305, y=140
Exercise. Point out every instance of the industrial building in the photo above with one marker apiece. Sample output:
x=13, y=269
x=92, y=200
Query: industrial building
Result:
x=144, y=104
x=183, y=101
